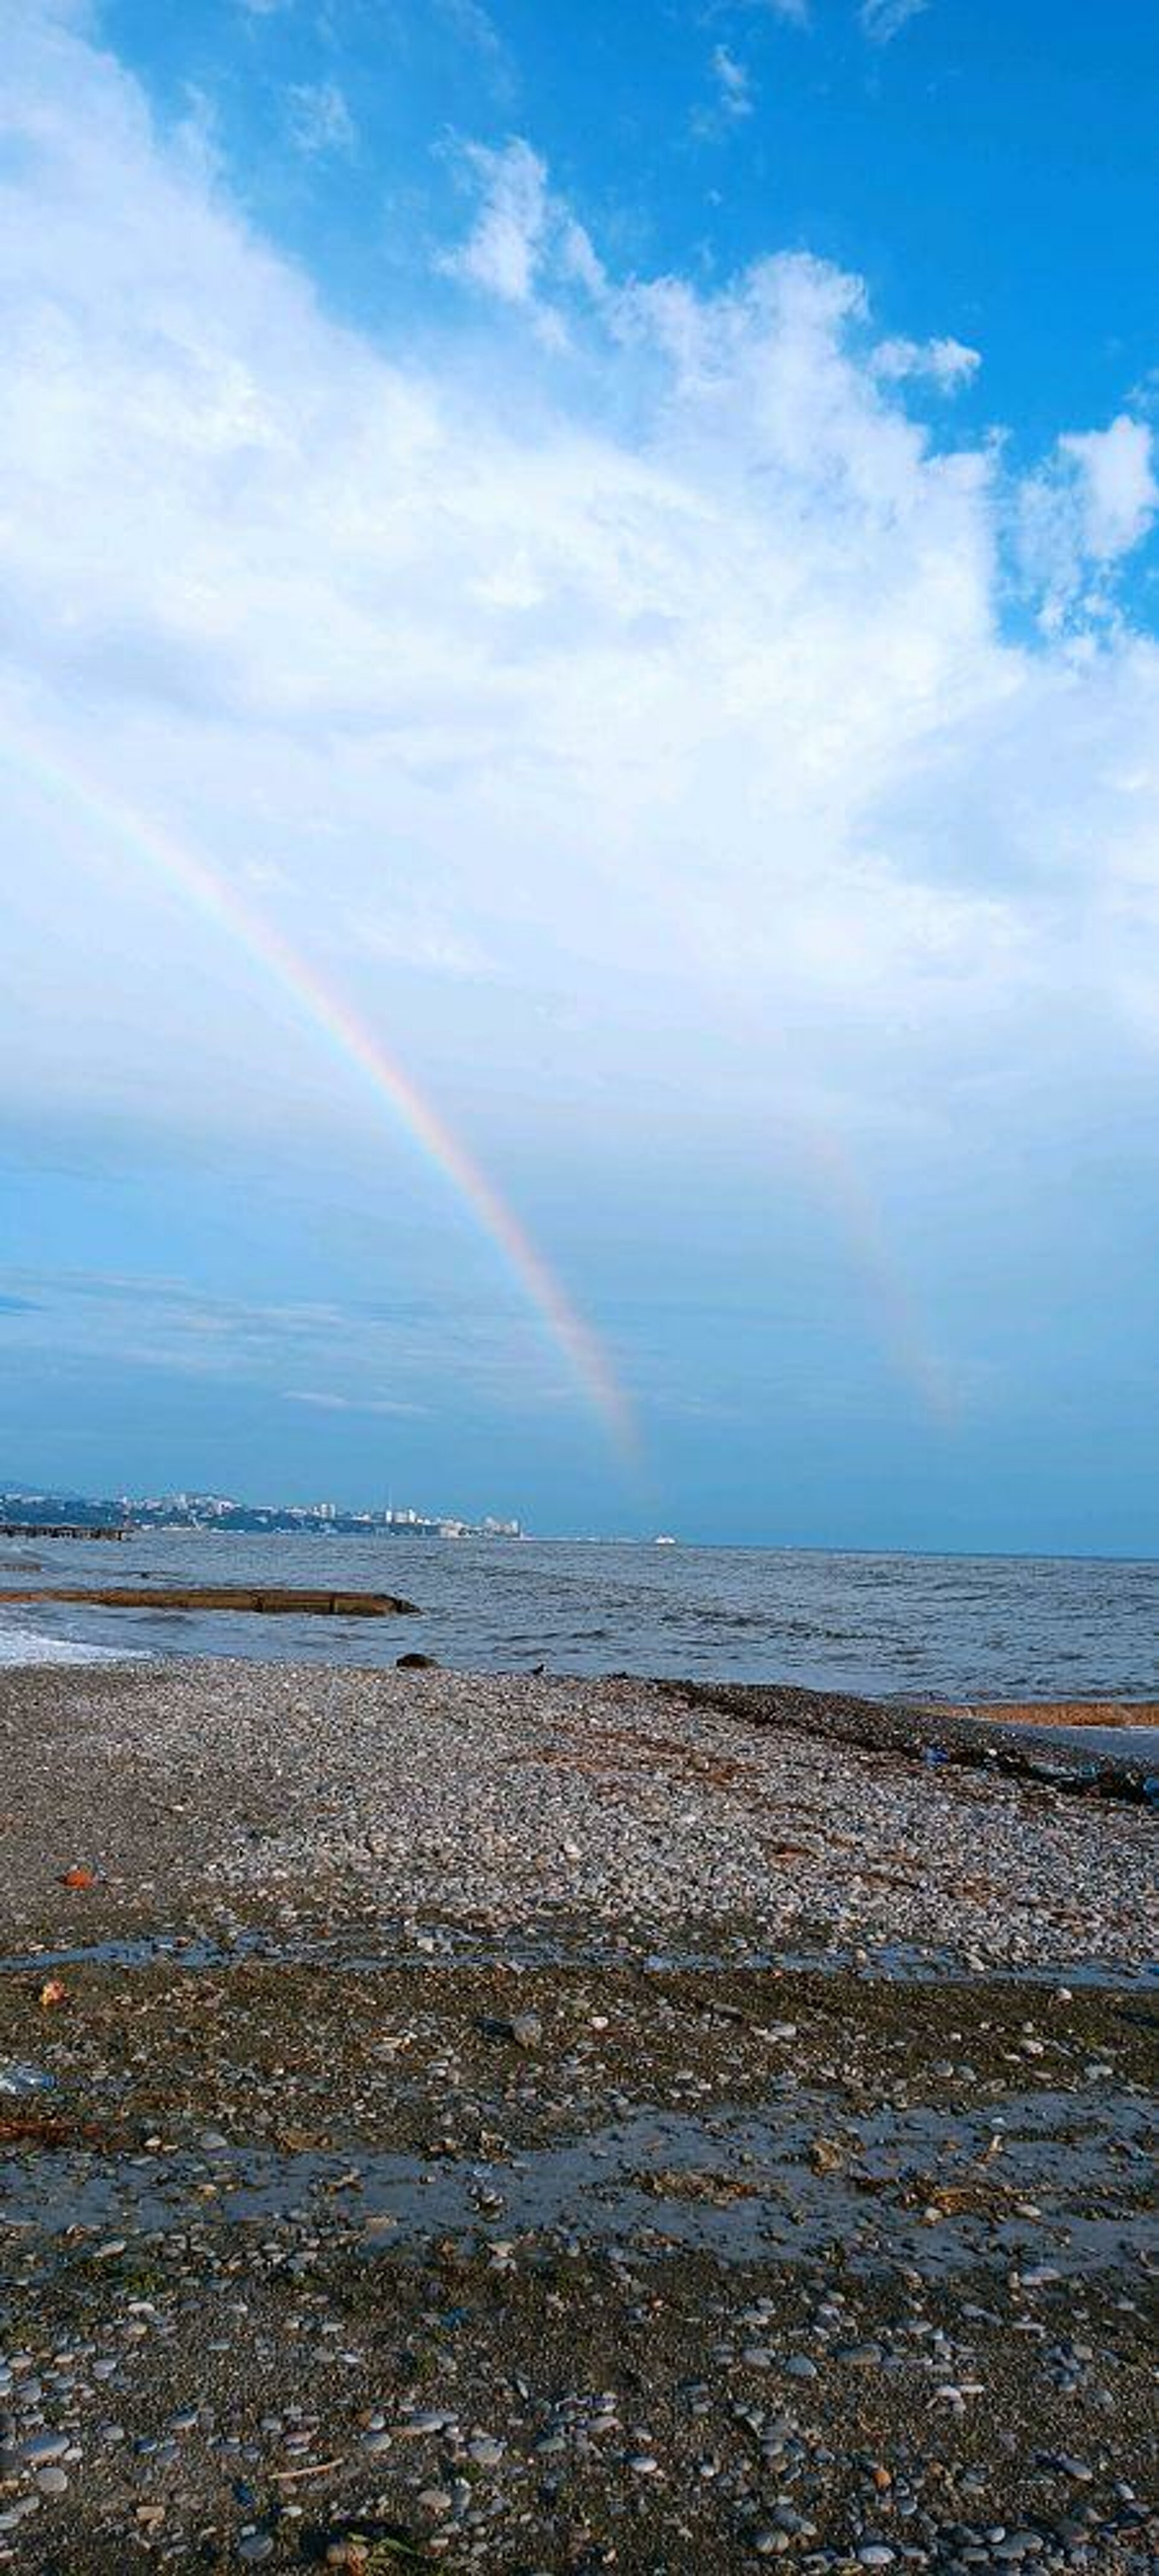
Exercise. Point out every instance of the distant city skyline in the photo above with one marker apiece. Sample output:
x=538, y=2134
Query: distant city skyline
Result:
x=579, y=727
x=224, y=1511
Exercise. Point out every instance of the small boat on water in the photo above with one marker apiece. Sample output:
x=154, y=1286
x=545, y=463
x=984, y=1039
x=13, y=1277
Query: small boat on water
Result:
x=663, y=1540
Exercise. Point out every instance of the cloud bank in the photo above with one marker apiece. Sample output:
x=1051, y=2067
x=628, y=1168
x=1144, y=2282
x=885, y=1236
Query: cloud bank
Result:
x=671, y=737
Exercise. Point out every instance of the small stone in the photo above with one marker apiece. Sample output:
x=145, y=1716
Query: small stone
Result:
x=254, y=2546
x=52, y=2482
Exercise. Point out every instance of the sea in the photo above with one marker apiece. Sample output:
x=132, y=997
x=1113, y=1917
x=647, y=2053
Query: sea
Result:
x=907, y=1627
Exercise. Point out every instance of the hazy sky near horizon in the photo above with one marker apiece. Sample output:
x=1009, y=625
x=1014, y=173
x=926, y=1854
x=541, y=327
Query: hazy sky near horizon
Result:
x=610, y=557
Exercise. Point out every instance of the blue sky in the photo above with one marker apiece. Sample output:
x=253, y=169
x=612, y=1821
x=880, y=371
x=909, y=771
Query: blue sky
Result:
x=986, y=170
x=579, y=718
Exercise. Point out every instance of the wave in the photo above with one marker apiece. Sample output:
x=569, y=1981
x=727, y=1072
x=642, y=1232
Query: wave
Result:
x=34, y=1646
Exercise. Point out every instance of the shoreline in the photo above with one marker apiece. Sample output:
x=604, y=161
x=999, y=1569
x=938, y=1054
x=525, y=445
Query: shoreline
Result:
x=240, y=1783
x=543, y=2125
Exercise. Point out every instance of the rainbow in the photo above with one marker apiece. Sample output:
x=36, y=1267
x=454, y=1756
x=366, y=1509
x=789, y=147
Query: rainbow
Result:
x=902, y=1330
x=353, y=1044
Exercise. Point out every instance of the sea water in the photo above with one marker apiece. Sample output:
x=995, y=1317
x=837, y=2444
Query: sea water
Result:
x=913, y=1626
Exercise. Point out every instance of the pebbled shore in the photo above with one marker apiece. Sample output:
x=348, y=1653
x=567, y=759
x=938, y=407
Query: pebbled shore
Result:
x=189, y=1785
x=548, y=2125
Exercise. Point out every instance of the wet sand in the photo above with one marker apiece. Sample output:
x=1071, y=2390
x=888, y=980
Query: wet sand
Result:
x=1066, y=1712
x=554, y=2126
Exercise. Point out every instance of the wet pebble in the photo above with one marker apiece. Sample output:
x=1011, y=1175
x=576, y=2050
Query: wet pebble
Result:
x=43, y=2447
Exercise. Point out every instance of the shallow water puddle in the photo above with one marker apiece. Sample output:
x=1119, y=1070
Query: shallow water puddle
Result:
x=919, y=2185
x=899, y=1963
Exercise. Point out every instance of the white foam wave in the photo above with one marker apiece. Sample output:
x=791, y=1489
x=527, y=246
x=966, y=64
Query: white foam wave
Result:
x=32, y=1646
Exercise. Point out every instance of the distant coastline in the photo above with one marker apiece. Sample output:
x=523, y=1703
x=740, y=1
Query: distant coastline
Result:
x=221, y=1514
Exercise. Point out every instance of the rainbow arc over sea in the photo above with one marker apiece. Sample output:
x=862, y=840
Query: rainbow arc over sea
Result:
x=331, y=1019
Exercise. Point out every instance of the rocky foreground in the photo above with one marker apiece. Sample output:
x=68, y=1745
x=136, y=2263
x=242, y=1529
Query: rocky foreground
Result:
x=541, y=2126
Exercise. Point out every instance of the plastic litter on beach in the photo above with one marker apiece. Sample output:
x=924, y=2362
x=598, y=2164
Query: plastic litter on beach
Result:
x=19, y=2079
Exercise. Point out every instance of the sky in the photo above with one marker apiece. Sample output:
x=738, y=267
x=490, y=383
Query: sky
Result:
x=579, y=762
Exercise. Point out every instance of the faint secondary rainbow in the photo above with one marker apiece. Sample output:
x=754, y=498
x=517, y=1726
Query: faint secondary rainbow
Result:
x=903, y=1328
x=332, y=1018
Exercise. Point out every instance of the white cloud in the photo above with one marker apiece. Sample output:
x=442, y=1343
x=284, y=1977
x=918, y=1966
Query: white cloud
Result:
x=522, y=236
x=324, y=1402
x=473, y=25
x=944, y=363
x=318, y=119
x=1088, y=506
x=882, y=20
x=733, y=86
x=1119, y=492
x=339, y=1356
x=630, y=730
x=503, y=252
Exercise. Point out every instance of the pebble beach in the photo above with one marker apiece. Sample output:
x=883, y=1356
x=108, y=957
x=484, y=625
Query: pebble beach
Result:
x=509, y=2122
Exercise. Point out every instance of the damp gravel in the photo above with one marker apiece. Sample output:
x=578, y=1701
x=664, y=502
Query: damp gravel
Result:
x=495, y=2124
